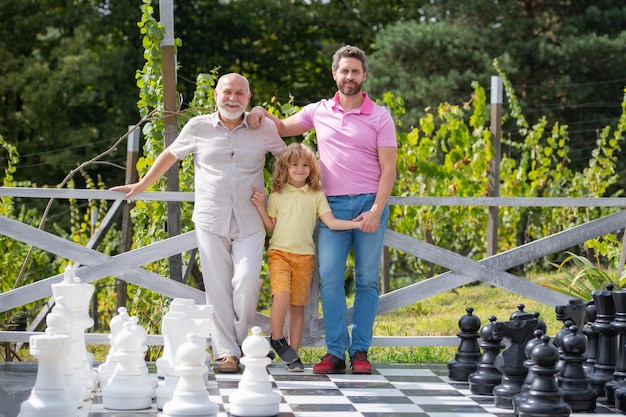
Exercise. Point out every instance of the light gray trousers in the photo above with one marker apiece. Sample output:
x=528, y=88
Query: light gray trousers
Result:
x=231, y=268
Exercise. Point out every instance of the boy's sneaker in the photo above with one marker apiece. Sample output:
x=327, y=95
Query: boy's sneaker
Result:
x=359, y=363
x=285, y=352
x=330, y=364
x=295, y=366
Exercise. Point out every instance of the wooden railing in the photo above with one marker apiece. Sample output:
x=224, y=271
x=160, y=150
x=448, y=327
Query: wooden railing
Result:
x=127, y=266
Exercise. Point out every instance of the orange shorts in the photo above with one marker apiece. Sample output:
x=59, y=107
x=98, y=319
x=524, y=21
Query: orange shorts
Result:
x=291, y=272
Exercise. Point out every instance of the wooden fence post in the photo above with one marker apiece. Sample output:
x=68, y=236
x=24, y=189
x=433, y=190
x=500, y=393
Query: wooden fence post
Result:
x=166, y=11
x=494, y=165
x=132, y=151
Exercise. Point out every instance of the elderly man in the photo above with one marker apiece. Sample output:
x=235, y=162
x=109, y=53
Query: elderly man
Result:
x=229, y=161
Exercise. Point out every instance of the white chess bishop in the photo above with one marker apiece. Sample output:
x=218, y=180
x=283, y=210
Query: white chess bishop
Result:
x=254, y=396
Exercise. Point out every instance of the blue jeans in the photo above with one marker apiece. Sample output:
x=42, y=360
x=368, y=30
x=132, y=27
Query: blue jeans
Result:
x=332, y=250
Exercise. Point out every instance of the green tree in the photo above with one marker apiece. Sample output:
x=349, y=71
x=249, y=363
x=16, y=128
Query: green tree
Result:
x=67, y=87
x=565, y=59
x=283, y=47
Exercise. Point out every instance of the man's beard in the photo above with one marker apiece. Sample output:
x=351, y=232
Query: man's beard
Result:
x=228, y=114
x=354, y=88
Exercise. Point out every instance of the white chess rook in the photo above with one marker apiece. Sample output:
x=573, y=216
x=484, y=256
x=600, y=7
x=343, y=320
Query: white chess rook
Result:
x=49, y=397
x=190, y=398
x=254, y=396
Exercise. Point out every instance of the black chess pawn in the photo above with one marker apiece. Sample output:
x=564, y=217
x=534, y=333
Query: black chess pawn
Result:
x=544, y=397
x=468, y=354
x=573, y=381
x=528, y=363
x=510, y=362
x=592, y=337
x=607, y=340
x=559, y=336
x=487, y=376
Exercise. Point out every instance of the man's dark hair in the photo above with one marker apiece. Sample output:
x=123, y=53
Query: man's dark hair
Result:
x=349, y=51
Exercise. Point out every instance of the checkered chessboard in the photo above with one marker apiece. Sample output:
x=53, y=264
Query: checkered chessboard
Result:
x=397, y=390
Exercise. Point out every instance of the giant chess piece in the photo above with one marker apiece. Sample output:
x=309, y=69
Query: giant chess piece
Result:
x=254, y=396
x=77, y=297
x=592, y=337
x=190, y=398
x=618, y=325
x=58, y=322
x=468, y=355
x=487, y=376
x=128, y=388
x=510, y=362
x=607, y=340
x=528, y=363
x=557, y=340
x=573, y=381
x=184, y=317
x=105, y=370
x=544, y=397
x=49, y=398
x=574, y=310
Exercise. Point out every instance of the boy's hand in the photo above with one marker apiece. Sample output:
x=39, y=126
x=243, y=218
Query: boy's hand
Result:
x=258, y=197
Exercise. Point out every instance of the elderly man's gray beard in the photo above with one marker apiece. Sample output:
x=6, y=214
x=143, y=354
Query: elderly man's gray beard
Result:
x=228, y=114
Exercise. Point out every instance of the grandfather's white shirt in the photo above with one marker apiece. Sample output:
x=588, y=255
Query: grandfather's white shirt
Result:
x=227, y=164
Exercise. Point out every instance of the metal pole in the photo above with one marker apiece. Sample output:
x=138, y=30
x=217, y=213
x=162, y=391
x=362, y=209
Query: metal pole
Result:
x=494, y=166
x=166, y=11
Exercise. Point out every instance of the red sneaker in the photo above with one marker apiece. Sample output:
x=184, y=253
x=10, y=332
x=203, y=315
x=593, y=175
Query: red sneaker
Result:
x=359, y=363
x=330, y=364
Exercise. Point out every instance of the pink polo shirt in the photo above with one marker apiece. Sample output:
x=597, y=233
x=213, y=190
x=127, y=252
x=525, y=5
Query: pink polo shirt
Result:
x=348, y=142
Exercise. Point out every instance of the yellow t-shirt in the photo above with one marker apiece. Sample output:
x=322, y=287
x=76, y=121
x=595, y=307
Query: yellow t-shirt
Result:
x=296, y=211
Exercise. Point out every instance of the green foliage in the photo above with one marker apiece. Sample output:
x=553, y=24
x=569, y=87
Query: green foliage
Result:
x=67, y=82
x=13, y=251
x=448, y=154
x=580, y=277
x=566, y=59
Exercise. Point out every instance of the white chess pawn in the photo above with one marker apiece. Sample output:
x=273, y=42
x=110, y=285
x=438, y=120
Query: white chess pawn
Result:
x=105, y=370
x=172, y=335
x=190, y=398
x=254, y=396
x=49, y=398
x=58, y=322
x=127, y=388
x=183, y=317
